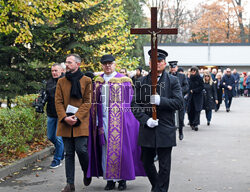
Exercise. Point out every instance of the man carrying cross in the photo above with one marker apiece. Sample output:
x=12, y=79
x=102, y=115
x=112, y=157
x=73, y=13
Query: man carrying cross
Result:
x=157, y=136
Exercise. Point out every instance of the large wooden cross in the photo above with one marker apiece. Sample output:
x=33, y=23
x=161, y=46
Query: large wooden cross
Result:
x=154, y=31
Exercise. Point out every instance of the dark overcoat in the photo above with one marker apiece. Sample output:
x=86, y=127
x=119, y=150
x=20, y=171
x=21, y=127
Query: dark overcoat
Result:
x=210, y=95
x=50, y=99
x=195, y=97
x=218, y=85
x=163, y=135
x=183, y=82
x=228, y=80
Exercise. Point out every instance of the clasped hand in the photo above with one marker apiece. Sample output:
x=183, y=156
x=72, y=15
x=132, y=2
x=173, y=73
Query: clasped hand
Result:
x=71, y=120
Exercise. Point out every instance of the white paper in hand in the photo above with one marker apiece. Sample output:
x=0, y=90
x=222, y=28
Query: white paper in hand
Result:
x=71, y=109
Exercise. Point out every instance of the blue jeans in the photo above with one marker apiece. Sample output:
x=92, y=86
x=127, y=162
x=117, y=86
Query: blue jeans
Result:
x=56, y=140
x=78, y=145
x=208, y=114
x=228, y=101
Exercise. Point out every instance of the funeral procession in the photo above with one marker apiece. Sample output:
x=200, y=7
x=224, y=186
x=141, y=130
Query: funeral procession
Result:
x=124, y=95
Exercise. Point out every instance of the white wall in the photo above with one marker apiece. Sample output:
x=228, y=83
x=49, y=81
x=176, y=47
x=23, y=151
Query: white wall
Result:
x=198, y=55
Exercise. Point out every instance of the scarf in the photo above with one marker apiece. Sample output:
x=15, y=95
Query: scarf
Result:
x=74, y=78
x=195, y=77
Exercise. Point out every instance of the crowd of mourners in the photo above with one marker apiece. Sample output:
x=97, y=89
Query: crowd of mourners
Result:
x=208, y=88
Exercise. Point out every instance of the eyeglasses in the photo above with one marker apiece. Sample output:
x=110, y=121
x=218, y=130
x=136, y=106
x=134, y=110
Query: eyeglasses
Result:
x=106, y=64
x=69, y=62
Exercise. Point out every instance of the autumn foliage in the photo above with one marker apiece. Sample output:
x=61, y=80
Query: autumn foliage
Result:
x=219, y=22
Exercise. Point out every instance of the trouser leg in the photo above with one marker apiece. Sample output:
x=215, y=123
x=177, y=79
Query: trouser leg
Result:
x=69, y=146
x=218, y=106
x=56, y=140
x=230, y=102
x=82, y=152
x=208, y=115
x=196, y=120
x=191, y=117
x=181, y=117
x=164, y=169
x=147, y=157
x=226, y=101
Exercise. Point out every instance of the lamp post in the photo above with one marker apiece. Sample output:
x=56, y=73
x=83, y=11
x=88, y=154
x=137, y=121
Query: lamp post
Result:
x=208, y=42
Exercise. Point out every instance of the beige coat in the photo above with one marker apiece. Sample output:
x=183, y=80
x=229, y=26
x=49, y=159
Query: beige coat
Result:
x=62, y=99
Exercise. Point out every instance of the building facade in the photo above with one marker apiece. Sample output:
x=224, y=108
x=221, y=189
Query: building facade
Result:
x=207, y=55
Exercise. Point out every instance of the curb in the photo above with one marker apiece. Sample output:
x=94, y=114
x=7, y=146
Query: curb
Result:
x=18, y=165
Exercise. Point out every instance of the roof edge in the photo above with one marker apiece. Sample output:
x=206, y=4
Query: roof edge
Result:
x=201, y=44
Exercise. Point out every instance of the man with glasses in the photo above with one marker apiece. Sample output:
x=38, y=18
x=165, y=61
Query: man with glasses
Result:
x=73, y=101
x=115, y=154
x=228, y=83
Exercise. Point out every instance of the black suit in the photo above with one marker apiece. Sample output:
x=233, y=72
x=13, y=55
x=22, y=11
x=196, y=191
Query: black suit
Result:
x=195, y=99
x=184, y=87
x=218, y=85
x=162, y=137
x=228, y=80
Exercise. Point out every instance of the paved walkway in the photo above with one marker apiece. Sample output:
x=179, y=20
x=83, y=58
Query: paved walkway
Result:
x=214, y=159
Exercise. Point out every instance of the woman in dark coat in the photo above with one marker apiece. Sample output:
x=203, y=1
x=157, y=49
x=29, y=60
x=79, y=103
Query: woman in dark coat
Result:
x=218, y=85
x=209, y=96
x=195, y=99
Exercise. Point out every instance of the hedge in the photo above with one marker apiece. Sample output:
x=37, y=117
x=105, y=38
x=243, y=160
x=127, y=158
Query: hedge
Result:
x=21, y=125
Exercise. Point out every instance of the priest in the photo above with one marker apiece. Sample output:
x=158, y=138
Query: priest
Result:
x=113, y=150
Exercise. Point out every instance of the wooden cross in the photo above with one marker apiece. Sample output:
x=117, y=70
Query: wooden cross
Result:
x=154, y=31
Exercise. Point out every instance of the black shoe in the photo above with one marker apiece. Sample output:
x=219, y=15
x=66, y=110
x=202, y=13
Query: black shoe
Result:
x=181, y=133
x=152, y=189
x=181, y=136
x=110, y=185
x=227, y=109
x=192, y=127
x=86, y=180
x=196, y=128
x=69, y=188
x=122, y=185
x=208, y=123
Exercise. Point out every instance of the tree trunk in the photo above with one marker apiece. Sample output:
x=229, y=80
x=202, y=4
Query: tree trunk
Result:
x=249, y=32
x=240, y=20
x=161, y=21
x=177, y=16
x=8, y=102
x=242, y=30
